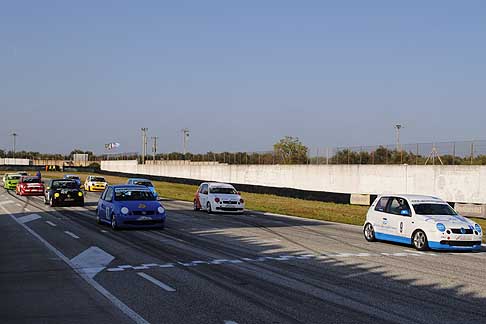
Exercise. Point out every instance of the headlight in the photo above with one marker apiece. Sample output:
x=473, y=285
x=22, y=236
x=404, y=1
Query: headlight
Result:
x=477, y=228
x=56, y=195
x=161, y=210
x=80, y=194
x=440, y=227
x=124, y=210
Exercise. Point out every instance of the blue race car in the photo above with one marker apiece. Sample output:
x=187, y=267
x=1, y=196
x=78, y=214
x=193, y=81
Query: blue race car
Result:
x=143, y=182
x=74, y=178
x=130, y=206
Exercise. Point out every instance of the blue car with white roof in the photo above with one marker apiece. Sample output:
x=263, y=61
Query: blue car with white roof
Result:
x=143, y=182
x=130, y=206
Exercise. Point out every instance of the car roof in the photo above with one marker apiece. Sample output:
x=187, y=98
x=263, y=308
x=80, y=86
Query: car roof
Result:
x=128, y=186
x=139, y=179
x=417, y=198
x=220, y=184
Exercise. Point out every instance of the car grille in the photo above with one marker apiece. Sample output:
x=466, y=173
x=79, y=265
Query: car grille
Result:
x=458, y=231
x=144, y=222
x=143, y=212
x=229, y=208
x=461, y=243
x=230, y=202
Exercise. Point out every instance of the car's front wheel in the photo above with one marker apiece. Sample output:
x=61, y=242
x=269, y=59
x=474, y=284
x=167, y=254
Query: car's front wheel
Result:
x=369, y=233
x=419, y=241
x=52, y=203
x=208, y=208
x=114, y=225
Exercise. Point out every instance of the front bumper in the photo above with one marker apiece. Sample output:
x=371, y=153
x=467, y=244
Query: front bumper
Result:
x=10, y=186
x=96, y=189
x=463, y=245
x=131, y=221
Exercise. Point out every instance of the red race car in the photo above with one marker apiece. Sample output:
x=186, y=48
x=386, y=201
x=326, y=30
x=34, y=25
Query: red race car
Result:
x=30, y=186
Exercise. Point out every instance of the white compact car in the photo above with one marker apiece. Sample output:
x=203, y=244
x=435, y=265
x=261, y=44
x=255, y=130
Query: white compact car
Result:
x=423, y=221
x=218, y=197
x=95, y=183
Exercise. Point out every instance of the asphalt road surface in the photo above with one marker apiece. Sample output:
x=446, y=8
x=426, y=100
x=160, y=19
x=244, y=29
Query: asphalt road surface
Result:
x=58, y=266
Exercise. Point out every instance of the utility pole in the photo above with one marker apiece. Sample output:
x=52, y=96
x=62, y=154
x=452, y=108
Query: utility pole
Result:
x=144, y=143
x=399, y=147
x=14, y=136
x=185, y=137
x=154, y=147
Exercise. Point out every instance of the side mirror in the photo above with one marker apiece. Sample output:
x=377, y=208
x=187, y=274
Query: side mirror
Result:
x=405, y=212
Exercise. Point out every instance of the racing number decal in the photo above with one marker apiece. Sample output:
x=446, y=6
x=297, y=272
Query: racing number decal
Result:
x=401, y=227
x=107, y=212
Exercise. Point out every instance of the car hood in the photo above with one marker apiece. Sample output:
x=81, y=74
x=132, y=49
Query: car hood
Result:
x=453, y=221
x=138, y=205
x=227, y=196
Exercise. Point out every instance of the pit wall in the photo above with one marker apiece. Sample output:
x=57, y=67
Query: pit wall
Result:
x=457, y=184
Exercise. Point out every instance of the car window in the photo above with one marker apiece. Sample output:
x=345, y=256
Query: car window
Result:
x=65, y=184
x=381, y=205
x=433, y=209
x=97, y=179
x=204, y=189
x=109, y=194
x=103, y=195
x=129, y=194
x=397, y=205
x=223, y=190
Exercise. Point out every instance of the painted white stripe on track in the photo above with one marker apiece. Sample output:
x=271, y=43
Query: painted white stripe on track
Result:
x=156, y=282
x=115, y=301
x=71, y=234
x=51, y=223
x=230, y=322
x=28, y=218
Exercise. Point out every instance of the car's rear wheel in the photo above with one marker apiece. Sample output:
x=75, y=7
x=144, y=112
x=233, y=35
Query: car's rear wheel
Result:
x=46, y=202
x=369, y=233
x=208, y=208
x=419, y=241
x=196, y=207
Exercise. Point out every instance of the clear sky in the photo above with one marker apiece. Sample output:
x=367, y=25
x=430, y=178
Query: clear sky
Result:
x=240, y=74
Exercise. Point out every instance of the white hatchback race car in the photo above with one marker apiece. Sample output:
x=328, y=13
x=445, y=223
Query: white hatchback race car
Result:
x=218, y=197
x=423, y=221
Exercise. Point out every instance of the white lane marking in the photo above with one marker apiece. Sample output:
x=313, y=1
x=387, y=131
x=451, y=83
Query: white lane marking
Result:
x=51, y=223
x=230, y=322
x=6, y=202
x=103, y=231
x=115, y=301
x=92, y=261
x=71, y=234
x=27, y=209
x=156, y=282
x=28, y=218
x=18, y=205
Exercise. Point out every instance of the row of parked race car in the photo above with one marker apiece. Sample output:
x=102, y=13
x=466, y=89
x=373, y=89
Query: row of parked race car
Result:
x=126, y=205
x=421, y=221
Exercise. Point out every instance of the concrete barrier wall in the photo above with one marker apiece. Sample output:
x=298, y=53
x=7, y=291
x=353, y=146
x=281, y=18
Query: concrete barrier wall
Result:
x=11, y=161
x=464, y=184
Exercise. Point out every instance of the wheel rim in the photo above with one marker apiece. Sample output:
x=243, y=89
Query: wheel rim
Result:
x=369, y=232
x=209, y=207
x=113, y=222
x=419, y=240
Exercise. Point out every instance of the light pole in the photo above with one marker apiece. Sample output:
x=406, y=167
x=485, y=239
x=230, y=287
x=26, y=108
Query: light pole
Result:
x=144, y=143
x=14, y=136
x=154, y=147
x=399, y=147
x=185, y=137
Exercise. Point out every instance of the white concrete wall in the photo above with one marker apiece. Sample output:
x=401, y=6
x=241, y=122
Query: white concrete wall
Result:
x=453, y=183
x=11, y=161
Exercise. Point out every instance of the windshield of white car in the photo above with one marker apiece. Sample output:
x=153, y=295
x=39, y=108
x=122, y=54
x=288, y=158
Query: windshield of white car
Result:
x=98, y=179
x=433, y=209
x=124, y=194
x=15, y=177
x=67, y=184
x=223, y=190
x=143, y=183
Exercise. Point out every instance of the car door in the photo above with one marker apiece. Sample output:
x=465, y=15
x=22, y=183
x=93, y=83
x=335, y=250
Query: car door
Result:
x=106, y=208
x=380, y=216
x=203, y=195
x=399, y=218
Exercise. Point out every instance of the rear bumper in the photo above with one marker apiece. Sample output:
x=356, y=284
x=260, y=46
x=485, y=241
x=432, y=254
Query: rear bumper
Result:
x=64, y=202
x=32, y=192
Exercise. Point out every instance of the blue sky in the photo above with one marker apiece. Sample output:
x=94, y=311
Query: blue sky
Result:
x=240, y=74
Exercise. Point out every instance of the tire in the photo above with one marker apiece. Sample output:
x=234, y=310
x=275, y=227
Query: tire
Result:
x=419, y=241
x=208, y=208
x=114, y=225
x=98, y=219
x=81, y=204
x=369, y=233
x=196, y=208
x=46, y=202
x=51, y=202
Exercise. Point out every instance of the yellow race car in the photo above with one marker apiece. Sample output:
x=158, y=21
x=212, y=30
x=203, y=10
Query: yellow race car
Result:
x=95, y=183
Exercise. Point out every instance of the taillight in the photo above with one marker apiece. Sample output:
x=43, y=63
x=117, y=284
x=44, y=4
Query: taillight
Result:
x=242, y=201
x=216, y=199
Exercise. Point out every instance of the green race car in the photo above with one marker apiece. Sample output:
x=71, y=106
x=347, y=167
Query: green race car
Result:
x=11, y=181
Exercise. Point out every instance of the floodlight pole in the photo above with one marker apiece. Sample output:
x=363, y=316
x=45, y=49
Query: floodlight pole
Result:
x=144, y=143
x=185, y=136
x=14, y=136
x=154, y=147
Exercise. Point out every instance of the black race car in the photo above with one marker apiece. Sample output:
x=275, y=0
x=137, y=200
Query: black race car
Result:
x=63, y=192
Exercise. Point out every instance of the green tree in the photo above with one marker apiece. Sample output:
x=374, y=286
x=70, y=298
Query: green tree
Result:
x=290, y=150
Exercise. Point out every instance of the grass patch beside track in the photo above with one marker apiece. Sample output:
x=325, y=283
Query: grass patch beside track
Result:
x=340, y=213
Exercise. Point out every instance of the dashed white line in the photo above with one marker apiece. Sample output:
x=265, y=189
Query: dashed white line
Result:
x=51, y=223
x=71, y=234
x=103, y=231
x=230, y=322
x=354, y=275
x=27, y=209
x=28, y=218
x=156, y=282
